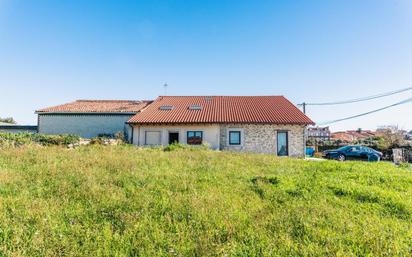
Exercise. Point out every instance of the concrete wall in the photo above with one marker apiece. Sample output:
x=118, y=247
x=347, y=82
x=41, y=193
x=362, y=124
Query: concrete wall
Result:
x=210, y=134
x=254, y=137
x=263, y=138
x=86, y=126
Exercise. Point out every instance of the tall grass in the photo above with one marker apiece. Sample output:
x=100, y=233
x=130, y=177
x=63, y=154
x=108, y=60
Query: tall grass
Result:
x=125, y=201
x=8, y=140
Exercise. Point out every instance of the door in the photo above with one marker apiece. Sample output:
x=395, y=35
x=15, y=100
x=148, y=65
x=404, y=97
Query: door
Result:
x=282, y=143
x=354, y=153
x=364, y=153
x=173, y=138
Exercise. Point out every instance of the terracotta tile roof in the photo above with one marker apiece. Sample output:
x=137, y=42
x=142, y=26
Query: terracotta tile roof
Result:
x=98, y=106
x=353, y=135
x=221, y=109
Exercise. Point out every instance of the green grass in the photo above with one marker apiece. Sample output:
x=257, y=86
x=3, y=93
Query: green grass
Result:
x=124, y=201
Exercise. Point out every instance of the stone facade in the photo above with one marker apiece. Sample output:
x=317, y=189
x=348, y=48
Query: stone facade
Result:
x=263, y=138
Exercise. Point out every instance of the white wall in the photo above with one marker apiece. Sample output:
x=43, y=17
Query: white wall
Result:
x=210, y=133
x=87, y=126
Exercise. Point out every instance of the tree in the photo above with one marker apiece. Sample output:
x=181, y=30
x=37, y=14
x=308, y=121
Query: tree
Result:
x=8, y=120
x=392, y=139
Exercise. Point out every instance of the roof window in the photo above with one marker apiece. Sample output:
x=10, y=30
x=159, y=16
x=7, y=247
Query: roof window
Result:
x=166, y=107
x=195, y=107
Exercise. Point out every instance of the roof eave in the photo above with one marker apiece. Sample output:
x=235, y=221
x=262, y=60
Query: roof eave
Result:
x=242, y=122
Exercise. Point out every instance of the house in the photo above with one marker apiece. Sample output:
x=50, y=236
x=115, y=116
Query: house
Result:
x=319, y=133
x=262, y=124
x=350, y=136
x=13, y=128
x=88, y=118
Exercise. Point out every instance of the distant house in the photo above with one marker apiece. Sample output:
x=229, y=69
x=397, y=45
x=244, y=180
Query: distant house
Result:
x=88, y=118
x=14, y=128
x=350, y=136
x=262, y=124
x=319, y=133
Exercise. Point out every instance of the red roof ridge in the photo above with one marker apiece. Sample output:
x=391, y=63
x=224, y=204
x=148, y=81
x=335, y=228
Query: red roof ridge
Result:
x=221, y=96
x=102, y=101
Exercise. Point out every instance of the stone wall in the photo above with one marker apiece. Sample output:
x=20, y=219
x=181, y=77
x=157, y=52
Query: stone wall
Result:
x=263, y=138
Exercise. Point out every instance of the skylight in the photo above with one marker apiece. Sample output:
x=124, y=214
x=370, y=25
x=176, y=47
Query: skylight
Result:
x=195, y=107
x=166, y=107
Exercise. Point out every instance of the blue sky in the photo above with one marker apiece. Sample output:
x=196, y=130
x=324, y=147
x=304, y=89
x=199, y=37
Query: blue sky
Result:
x=53, y=52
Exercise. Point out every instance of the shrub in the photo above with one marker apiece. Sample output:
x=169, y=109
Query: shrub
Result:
x=173, y=147
x=177, y=146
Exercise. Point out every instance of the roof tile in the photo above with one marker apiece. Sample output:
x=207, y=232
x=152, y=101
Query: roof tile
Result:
x=222, y=109
x=98, y=106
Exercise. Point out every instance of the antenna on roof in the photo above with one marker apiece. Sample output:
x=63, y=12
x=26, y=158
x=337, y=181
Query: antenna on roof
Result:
x=165, y=87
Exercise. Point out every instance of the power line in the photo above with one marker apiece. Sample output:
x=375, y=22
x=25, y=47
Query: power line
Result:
x=367, y=113
x=360, y=99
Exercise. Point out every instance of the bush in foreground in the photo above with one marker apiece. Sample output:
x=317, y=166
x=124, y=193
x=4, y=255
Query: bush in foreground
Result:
x=126, y=201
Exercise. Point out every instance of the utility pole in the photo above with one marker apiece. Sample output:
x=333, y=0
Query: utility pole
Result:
x=304, y=107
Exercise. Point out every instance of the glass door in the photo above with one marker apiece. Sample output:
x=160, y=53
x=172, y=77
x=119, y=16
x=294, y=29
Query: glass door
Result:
x=282, y=140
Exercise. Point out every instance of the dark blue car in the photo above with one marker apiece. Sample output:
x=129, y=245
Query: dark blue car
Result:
x=353, y=152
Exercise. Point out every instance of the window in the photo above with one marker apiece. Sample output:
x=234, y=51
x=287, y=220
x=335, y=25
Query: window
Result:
x=166, y=107
x=194, y=137
x=355, y=149
x=152, y=138
x=283, y=143
x=195, y=107
x=234, y=137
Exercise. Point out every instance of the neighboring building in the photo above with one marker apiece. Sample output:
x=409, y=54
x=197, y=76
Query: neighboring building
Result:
x=263, y=124
x=88, y=118
x=319, y=133
x=385, y=128
x=14, y=128
x=350, y=136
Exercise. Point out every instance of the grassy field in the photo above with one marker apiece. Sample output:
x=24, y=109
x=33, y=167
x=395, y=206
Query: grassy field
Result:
x=124, y=201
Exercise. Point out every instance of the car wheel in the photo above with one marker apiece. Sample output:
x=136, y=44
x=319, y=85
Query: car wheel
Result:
x=374, y=158
x=341, y=157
